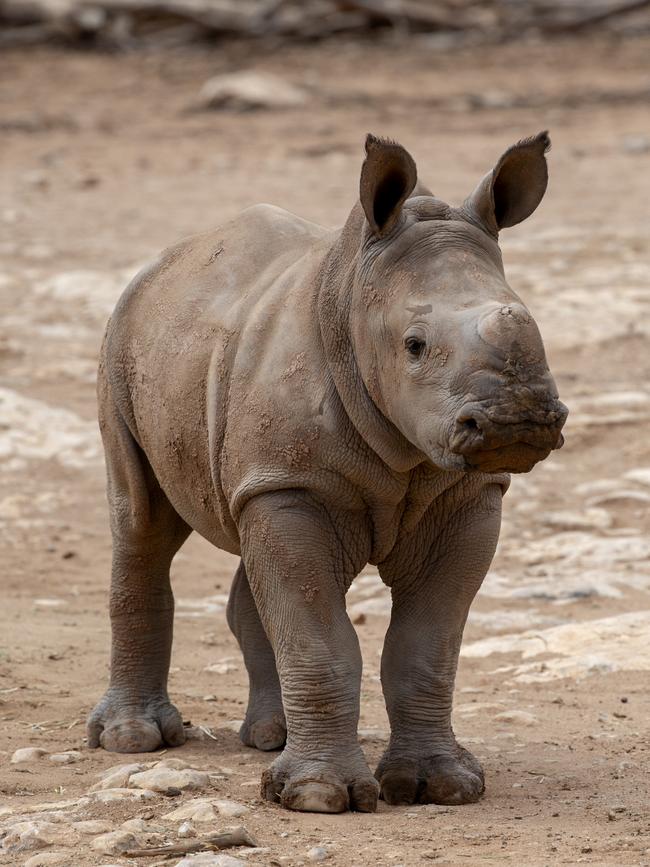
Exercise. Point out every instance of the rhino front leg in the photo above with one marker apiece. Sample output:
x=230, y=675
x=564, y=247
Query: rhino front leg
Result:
x=300, y=561
x=423, y=762
x=264, y=726
x=135, y=714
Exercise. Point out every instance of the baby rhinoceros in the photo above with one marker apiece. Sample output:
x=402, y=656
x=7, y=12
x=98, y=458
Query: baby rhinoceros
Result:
x=312, y=401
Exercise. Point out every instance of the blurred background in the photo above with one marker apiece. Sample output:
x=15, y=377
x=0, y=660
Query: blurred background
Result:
x=127, y=124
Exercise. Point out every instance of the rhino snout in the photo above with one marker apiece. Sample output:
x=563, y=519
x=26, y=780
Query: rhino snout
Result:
x=507, y=442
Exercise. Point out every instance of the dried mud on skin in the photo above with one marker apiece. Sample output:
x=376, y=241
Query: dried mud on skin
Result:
x=553, y=687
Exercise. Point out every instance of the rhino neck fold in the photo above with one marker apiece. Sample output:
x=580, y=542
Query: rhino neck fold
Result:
x=334, y=311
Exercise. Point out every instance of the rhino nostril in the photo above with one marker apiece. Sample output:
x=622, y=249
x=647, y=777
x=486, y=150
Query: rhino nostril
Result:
x=470, y=424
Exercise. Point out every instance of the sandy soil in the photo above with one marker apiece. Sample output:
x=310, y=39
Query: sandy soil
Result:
x=104, y=162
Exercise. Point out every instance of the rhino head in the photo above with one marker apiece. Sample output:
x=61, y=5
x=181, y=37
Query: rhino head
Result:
x=446, y=350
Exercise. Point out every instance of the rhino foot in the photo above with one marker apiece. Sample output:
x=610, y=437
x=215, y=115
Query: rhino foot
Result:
x=317, y=786
x=264, y=732
x=450, y=777
x=121, y=726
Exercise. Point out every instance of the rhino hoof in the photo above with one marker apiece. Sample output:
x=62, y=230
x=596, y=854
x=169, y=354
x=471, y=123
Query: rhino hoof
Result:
x=319, y=789
x=121, y=731
x=441, y=779
x=265, y=734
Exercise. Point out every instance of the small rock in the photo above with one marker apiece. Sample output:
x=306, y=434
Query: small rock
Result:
x=160, y=779
x=114, y=843
x=220, y=668
x=210, y=859
x=186, y=829
x=44, y=859
x=196, y=810
x=26, y=836
x=117, y=777
x=176, y=764
x=522, y=717
x=108, y=795
x=318, y=853
x=27, y=754
x=70, y=757
x=636, y=144
x=92, y=826
x=246, y=91
x=230, y=809
x=135, y=826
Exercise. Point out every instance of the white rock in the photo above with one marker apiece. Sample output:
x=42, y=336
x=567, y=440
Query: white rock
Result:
x=55, y=805
x=621, y=494
x=70, y=757
x=250, y=90
x=136, y=826
x=176, y=764
x=48, y=603
x=44, y=859
x=26, y=836
x=160, y=779
x=92, y=826
x=230, y=809
x=318, y=853
x=210, y=859
x=114, y=843
x=220, y=668
x=641, y=475
x=108, y=795
x=520, y=717
x=27, y=754
x=186, y=829
x=196, y=810
x=116, y=778
x=586, y=519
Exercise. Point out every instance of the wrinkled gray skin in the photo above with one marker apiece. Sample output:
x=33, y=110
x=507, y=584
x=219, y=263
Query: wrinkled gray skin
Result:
x=314, y=401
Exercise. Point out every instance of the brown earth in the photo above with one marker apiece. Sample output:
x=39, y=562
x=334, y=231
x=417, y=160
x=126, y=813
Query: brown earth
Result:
x=103, y=162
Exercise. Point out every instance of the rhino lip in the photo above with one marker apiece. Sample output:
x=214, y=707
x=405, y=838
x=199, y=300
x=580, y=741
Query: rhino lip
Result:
x=480, y=428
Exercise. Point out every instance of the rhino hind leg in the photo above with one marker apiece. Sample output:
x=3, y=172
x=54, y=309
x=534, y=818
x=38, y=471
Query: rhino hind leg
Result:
x=135, y=714
x=264, y=726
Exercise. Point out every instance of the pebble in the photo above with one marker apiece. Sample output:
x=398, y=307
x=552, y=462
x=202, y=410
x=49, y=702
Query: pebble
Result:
x=44, y=859
x=522, y=717
x=27, y=754
x=186, y=829
x=136, y=826
x=220, y=668
x=196, y=810
x=123, y=795
x=318, y=853
x=92, y=826
x=210, y=859
x=160, y=779
x=176, y=764
x=114, y=843
x=69, y=757
x=25, y=836
x=116, y=778
x=247, y=90
x=636, y=144
x=230, y=809
x=640, y=475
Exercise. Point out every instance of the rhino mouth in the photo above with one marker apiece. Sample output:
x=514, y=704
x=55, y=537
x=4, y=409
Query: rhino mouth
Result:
x=513, y=444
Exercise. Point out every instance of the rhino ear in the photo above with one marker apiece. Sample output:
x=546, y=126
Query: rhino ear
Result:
x=388, y=177
x=514, y=187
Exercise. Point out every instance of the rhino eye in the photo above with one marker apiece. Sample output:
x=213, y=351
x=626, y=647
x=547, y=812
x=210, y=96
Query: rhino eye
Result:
x=414, y=346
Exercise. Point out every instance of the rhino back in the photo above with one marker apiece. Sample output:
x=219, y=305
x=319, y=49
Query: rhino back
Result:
x=175, y=335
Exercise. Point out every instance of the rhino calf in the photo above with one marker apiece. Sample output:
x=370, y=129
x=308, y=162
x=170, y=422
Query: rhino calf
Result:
x=313, y=401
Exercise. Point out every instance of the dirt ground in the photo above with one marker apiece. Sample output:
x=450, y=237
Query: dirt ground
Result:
x=104, y=160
